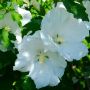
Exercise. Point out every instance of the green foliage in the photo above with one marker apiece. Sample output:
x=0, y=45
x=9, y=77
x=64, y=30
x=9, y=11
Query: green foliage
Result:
x=77, y=9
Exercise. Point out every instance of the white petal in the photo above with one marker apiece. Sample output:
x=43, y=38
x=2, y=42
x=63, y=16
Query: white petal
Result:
x=60, y=5
x=54, y=19
x=58, y=64
x=31, y=43
x=56, y=59
x=47, y=40
x=20, y=65
x=54, y=81
x=39, y=75
x=72, y=50
x=22, y=62
x=87, y=24
x=26, y=15
x=74, y=30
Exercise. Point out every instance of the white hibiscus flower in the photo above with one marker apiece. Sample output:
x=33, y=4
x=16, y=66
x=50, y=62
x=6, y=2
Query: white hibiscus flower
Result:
x=10, y=25
x=87, y=6
x=26, y=15
x=45, y=67
x=64, y=33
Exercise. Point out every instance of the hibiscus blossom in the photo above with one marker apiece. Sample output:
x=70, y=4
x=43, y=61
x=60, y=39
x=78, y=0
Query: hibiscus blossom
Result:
x=63, y=33
x=7, y=23
x=45, y=67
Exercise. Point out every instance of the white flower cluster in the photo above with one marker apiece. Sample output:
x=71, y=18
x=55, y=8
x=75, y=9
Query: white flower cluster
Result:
x=44, y=54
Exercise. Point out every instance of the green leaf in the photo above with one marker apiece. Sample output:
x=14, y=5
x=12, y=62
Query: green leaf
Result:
x=77, y=9
x=5, y=38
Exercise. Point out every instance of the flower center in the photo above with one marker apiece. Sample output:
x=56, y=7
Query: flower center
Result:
x=58, y=39
x=7, y=28
x=42, y=57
